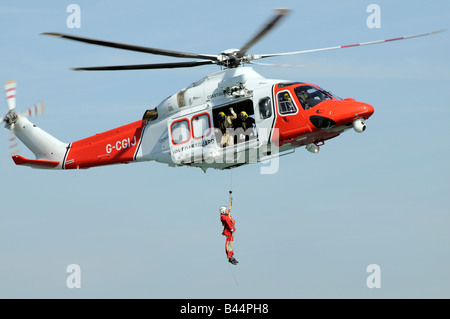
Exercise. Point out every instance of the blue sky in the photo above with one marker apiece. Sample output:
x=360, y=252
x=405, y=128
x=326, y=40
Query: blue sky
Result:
x=146, y=230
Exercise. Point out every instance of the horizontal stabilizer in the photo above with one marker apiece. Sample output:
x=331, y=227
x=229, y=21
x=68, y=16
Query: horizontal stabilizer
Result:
x=20, y=160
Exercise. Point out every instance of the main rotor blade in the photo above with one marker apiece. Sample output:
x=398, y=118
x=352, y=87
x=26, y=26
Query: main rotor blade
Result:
x=276, y=18
x=260, y=56
x=145, y=66
x=176, y=54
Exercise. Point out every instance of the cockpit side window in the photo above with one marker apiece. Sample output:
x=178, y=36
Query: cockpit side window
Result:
x=285, y=103
x=310, y=96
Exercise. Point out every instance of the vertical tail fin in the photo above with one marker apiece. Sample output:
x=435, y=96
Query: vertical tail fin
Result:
x=48, y=150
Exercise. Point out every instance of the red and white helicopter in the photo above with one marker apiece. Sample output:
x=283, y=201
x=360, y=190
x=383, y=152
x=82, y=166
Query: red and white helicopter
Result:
x=186, y=129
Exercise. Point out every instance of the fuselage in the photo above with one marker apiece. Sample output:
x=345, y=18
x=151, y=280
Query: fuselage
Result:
x=188, y=128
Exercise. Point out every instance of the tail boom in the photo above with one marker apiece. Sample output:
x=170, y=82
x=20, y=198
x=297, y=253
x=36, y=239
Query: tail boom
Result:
x=117, y=146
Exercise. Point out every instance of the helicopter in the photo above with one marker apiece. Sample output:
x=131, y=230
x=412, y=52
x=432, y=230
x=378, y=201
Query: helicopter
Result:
x=266, y=117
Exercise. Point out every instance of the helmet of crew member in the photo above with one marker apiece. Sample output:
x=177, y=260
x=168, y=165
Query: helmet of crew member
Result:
x=243, y=115
x=286, y=97
x=223, y=210
x=221, y=116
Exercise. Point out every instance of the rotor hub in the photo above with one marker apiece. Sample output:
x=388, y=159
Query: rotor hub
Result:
x=229, y=58
x=11, y=118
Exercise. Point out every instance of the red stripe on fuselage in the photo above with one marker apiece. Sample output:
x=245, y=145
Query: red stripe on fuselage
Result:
x=112, y=147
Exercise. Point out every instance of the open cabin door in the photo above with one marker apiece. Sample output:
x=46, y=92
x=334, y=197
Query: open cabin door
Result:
x=237, y=142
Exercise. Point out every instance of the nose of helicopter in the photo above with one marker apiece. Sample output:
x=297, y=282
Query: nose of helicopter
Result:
x=348, y=110
x=342, y=112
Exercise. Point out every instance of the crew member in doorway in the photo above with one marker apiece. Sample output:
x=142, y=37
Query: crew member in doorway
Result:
x=228, y=230
x=226, y=127
x=244, y=127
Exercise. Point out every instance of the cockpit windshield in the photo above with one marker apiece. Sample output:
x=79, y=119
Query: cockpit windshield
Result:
x=310, y=96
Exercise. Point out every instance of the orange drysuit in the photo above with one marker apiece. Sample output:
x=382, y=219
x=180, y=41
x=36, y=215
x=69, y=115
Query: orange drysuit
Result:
x=228, y=230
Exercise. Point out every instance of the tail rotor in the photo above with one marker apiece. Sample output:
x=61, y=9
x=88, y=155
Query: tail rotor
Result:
x=10, y=92
x=37, y=109
x=13, y=145
x=12, y=117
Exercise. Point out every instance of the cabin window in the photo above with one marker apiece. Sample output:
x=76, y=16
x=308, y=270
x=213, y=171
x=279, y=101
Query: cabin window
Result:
x=201, y=126
x=285, y=103
x=180, y=131
x=265, y=108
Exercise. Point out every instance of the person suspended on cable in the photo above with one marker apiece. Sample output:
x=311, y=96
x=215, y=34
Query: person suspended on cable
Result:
x=228, y=230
